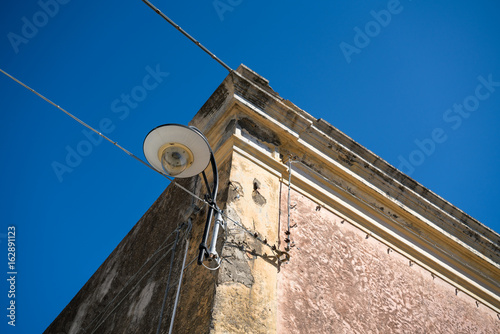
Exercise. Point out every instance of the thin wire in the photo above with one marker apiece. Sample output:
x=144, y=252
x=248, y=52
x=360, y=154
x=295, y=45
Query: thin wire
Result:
x=289, y=186
x=253, y=234
x=167, y=288
x=172, y=180
x=160, y=248
x=130, y=290
x=213, y=269
x=150, y=5
x=76, y=119
x=191, y=262
x=100, y=134
x=176, y=281
x=123, y=288
x=178, y=288
x=134, y=156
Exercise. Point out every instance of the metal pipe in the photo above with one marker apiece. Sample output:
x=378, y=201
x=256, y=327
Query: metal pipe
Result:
x=212, y=253
x=288, y=220
x=213, y=202
x=203, y=244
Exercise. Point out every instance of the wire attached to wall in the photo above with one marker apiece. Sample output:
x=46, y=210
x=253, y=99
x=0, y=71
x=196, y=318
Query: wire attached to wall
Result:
x=287, y=239
x=101, y=135
x=180, y=279
x=173, y=181
x=167, y=288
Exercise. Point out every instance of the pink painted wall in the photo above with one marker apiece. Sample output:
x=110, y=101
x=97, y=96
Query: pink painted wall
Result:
x=338, y=281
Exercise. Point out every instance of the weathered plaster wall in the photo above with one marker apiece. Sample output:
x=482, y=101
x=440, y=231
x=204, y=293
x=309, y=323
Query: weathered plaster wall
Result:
x=125, y=294
x=196, y=301
x=245, y=300
x=341, y=281
x=337, y=281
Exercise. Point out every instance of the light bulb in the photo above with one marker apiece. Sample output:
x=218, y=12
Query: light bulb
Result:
x=175, y=158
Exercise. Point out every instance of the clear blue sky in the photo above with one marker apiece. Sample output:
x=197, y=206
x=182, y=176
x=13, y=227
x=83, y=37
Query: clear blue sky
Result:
x=414, y=80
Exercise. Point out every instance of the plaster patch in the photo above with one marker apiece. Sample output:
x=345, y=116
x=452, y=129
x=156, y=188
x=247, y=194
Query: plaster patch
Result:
x=106, y=285
x=256, y=195
x=78, y=321
x=236, y=268
x=137, y=309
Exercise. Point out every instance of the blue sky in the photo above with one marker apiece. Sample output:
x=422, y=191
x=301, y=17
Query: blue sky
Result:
x=416, y=82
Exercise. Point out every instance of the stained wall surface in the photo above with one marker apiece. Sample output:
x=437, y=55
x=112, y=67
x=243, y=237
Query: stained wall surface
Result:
x=245, y=299
x=339, y=280
x=126, y=294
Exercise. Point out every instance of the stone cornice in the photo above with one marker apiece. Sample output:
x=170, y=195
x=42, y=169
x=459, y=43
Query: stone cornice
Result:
x=245, y=114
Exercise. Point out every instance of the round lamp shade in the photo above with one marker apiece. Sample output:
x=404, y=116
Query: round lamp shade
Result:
x=177, y=150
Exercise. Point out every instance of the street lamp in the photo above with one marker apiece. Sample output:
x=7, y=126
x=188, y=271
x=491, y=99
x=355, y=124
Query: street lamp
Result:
x=183, y=151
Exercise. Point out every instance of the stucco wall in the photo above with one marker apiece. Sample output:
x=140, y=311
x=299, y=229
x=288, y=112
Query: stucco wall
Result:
x=341, y=281
x=338, y=280
x=245, y=299
x=125, y=295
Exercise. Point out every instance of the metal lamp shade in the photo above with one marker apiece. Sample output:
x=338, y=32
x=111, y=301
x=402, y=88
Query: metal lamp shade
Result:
x=171, y=134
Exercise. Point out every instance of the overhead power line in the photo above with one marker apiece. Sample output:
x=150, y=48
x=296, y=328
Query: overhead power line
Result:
x=255, y=235
x=176, y=26
x=79, y=121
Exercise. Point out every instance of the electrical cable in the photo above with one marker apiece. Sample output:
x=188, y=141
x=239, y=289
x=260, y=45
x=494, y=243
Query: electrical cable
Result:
x=173, y=180
x=194, y=195
x=178, y=287
x=100, y=134
x=167, y=288
x=160, y=248
x=288, y=206
x=76, y=118
x=130, y=290
x=214, y=207
x=150, y=5
x=212, y=269
x=191, y=262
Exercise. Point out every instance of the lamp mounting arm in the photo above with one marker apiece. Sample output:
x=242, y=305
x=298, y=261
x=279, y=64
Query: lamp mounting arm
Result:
x=203, y=245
